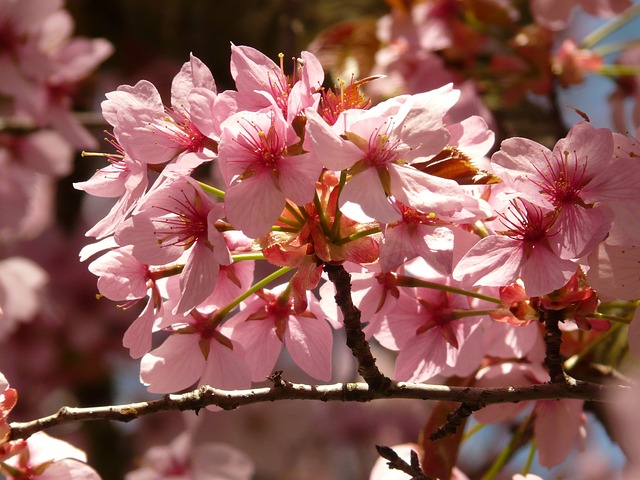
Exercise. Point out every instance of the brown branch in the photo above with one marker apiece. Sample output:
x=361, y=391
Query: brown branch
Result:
x=356, y=341
x=552, y=342
x=454, y=420
x=397, y=463
x=344, y=392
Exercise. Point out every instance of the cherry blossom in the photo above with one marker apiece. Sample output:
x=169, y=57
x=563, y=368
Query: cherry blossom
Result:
x=45, y=458
x=197, y=352
x=183, y=459
x=262, y=165
x=151, y=133
x=522, y=251
x=576, y=178
x=261, y=83
x=430, y=336
x=179, y=218
x=269, y=322
x=378, y=148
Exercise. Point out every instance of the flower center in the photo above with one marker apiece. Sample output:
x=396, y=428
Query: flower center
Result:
x=564, y=178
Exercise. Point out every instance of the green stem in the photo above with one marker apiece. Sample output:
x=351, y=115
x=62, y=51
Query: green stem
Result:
x=470, y=313
x=615, y=47
x=239, y=257
x=472, y=431
x=619, y=70
x=608, y=28
x=404, y=281
x=293, y=210
x=335, y=229
x=212, y=190
x=322, y=217
x=355, y=236
x=529, y=462
x=288, y=221
x=254, y=288
x=506, y=453
x=613, y=318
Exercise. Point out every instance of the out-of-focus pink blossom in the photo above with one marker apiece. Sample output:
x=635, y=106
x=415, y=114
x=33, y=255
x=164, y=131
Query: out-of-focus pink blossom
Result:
x=556, y=15
x=184, y=460
x=21, y=285
x=49, y=458
x=570, y=63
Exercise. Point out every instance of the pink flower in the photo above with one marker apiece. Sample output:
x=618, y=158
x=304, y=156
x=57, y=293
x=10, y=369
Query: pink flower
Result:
x=179, y=218
x=557, y=424
x=555, y=15
x=269, y=322
x=429, y=236
x=522, y=251
x=48, y=458
x=263, y=166
x=123, y=277
x=577, y=178
x=124, y=177
x=150, y=132
x=21, y=286
x=429, y=335
x=378, y=146
x=184, y=459
x=261, y=83
x=196, y=352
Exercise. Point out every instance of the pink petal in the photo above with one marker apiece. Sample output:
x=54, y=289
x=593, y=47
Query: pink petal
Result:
x=422, y=358
x=579, y=230
x=556, y=428
x=494, y=262
x=297, y=177
x=138, y=337
x=198, y=277
x=543, y=272
x=261, y=344
x=331, y=150
x=69, y=469
x=309, y=341
x=424, y=192
x=226, y=368
x=173, y=366
x=253, y=205
x=363, y=198
x=613, y=271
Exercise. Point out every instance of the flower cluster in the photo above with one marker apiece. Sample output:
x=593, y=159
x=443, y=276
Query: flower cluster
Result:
x=451, y=263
